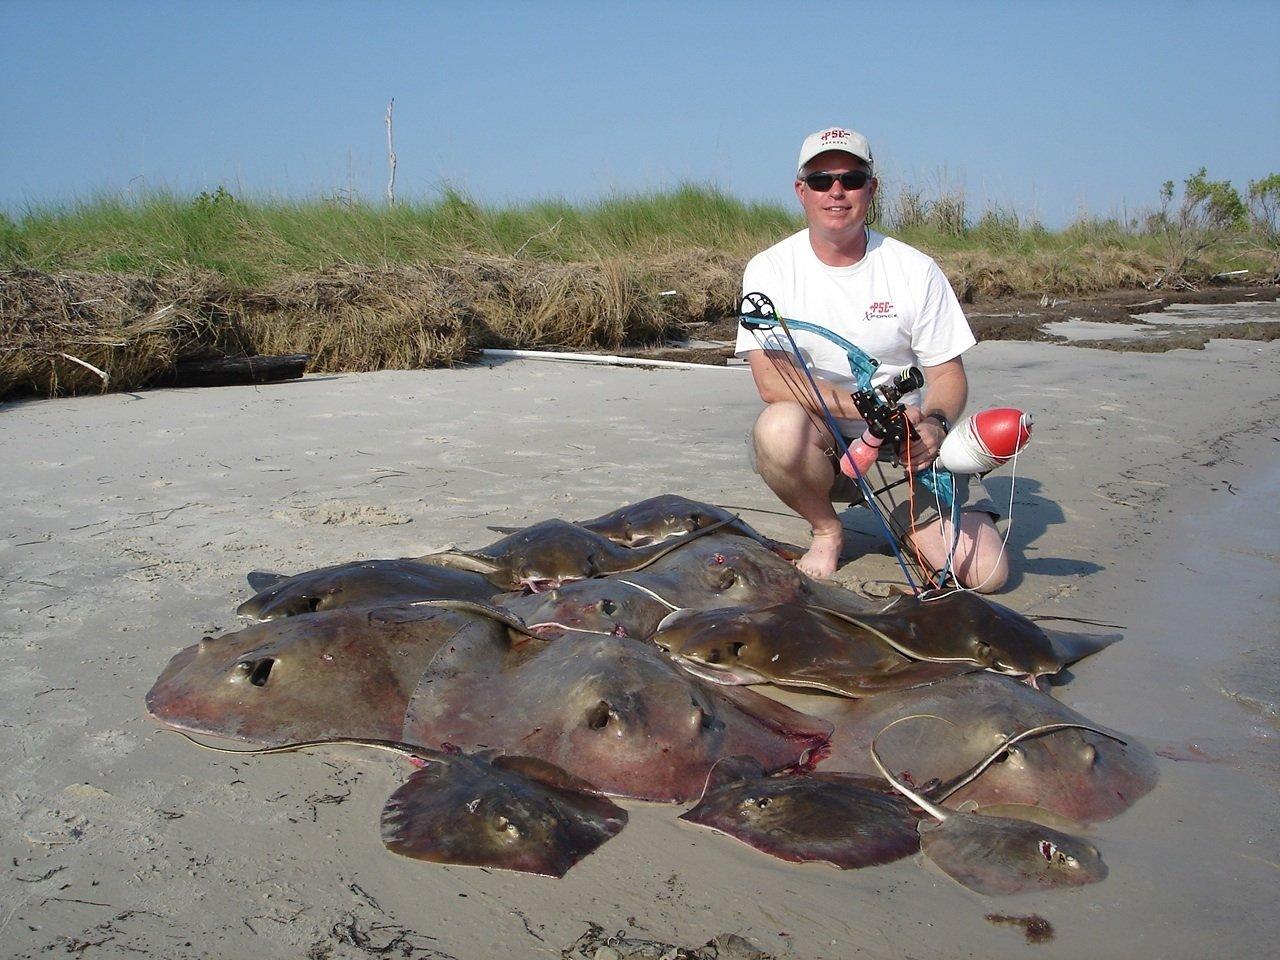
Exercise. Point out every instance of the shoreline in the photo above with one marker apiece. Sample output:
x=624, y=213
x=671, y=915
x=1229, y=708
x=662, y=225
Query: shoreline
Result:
x=133, y=520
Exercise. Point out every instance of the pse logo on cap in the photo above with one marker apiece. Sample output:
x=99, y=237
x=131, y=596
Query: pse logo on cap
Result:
x=835, y=133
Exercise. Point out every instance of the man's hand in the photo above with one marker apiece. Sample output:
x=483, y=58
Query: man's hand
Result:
x=918, y=454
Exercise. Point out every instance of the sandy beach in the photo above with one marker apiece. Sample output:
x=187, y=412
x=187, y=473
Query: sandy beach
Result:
x=131, y=520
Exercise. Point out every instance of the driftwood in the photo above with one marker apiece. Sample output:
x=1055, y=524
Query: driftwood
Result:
x=232, y=371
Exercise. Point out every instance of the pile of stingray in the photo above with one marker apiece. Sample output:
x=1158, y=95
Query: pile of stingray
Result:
x=568, y=662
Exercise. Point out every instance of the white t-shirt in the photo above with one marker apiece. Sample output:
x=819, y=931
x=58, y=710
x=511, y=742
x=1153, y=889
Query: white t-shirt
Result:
x=895, y=304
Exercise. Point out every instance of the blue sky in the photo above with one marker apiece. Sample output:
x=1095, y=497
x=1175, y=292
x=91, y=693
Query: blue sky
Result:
x=1050, y=108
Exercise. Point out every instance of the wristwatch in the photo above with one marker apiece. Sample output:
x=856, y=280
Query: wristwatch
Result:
x=945, y=423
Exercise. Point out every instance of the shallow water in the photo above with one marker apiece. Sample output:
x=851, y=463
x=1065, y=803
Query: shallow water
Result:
x=1173, y=320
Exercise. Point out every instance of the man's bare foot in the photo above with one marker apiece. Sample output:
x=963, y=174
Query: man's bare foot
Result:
x=823, y=555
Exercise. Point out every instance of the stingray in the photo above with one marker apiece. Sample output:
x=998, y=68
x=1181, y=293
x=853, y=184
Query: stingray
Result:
x=671, y=515
x=961, y=626
x=792, y=644
x=511, y=812
x=338, y=673
x=836, y=818
x=605, y=605
x=487, y=810
x=553, y=552
x=721, y=570
x=998, y=855
x=360, y=584
x=1075, y=773
x=612, y=710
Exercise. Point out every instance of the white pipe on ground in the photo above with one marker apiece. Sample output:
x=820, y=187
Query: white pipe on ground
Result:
x=612, y=361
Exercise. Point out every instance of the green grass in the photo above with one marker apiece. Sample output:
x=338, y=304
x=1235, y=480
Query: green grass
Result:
x=251, y=242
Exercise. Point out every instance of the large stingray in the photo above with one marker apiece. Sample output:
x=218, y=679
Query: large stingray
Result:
x=486, y=810
x=794, y=645
x=606, y=605
x=999, y=855
x=836, y=818
x=612, y=710
x=339, y=673
x=552, y=552
x=361, y=583
x=1074, y=773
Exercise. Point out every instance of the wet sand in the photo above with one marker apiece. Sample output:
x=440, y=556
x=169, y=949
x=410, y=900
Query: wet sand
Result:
x=1147, y=499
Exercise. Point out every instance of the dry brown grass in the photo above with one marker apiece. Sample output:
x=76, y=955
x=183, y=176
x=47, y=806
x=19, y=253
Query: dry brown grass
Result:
x=130, y=327
x=347, y=317
x=983, y=275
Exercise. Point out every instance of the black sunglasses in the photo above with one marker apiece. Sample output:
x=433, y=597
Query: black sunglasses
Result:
x=822, y=182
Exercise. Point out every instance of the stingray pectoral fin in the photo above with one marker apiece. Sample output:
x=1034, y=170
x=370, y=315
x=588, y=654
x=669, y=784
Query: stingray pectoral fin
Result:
x=460, y=560
x=1071, y=647
x=546, y=773
x=780, y=717
x=643, y=556
x=1028, y=812
x=733, y=769
x=912, y=674
x=260, y=580
x=787, y=551
x=733, y=676
x=471, y=812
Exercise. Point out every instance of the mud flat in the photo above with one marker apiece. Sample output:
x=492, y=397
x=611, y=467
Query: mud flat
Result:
x=1146, y=499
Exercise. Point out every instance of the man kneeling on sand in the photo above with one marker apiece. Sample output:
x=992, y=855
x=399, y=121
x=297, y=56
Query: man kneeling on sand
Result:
x=894, y=303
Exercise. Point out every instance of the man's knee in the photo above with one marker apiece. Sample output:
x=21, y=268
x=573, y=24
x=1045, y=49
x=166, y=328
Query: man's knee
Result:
x=783, y=434
x=979, y=561
x=779, y=424
x=985, y=568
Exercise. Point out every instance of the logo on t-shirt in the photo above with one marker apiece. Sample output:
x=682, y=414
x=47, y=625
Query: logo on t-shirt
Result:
x=880, y=310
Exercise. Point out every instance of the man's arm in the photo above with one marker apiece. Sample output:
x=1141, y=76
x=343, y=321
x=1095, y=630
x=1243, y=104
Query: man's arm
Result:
x=778, y=378
x=946, y=392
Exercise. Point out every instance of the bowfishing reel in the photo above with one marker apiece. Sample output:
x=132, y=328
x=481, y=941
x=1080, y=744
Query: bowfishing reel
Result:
x=881, y=407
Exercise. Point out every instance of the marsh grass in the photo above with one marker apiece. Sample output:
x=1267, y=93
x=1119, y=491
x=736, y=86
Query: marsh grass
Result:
x=133, y=286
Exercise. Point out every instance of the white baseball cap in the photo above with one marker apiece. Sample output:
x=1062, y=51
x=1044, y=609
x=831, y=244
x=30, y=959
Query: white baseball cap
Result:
x=834, y=138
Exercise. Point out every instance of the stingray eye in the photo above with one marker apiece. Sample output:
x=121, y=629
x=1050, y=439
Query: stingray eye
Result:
x=736, y=649
x=704, y=720
x=982, y=648
x=1049, y=850
x=256, y=671
x=762, y=802
x=725, y=579
x=592, y=569
x=713, y=655
x=598, y=716
x=1001, y=757
x=506, y=826
x=313, y=604
x=608, y=607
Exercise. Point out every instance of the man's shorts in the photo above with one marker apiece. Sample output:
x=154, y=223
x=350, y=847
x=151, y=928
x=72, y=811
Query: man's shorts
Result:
x=895, y=494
